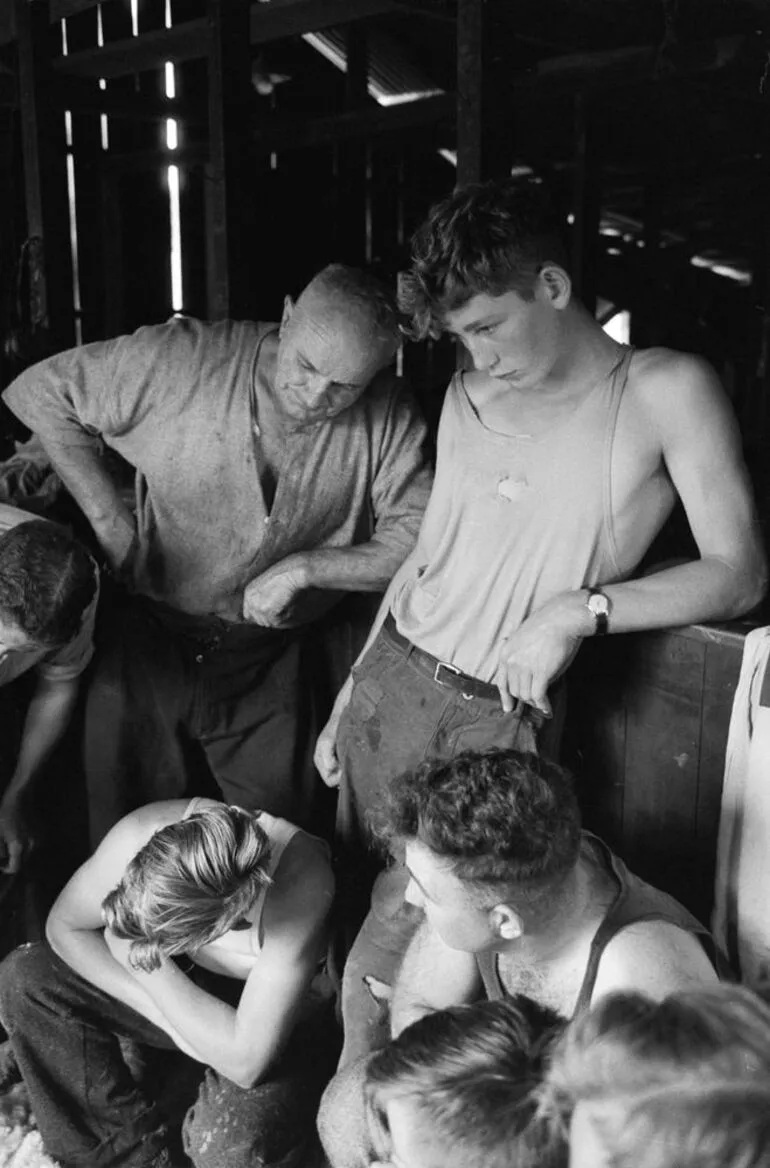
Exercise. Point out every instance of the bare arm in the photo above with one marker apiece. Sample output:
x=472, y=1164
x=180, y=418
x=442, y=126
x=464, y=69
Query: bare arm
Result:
x=697, y=434
x=325, y=756
x=75, y=929
x=655, y=958
x=432, y=977
x=83, y=472
x=242, y=1043
x=47, y=718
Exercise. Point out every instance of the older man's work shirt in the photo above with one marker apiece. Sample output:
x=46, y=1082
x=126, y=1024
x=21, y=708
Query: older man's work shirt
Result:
x=177, y=402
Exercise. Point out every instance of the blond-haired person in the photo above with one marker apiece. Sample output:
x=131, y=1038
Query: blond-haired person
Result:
x=193, y=925
x=679, y=1083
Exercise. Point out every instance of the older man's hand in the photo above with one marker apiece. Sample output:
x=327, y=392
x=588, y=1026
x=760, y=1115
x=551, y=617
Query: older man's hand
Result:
x=270, y=599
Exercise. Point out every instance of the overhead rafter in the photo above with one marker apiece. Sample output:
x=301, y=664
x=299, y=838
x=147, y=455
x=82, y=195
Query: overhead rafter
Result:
x=293, y=133
x=189, y=40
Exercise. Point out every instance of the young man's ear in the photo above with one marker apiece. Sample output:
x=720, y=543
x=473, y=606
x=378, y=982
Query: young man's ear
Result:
x=556, y=285
x=288, y=309
x=506, y=922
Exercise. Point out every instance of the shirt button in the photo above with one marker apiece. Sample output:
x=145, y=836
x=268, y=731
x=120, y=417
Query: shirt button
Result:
x=267, y=519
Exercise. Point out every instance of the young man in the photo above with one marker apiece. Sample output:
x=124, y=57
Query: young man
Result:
x=49, y=587
x=193, y=925
x=560, y=456
x=276, y=466
x=458, y=1089
x=682, y=1083
x=514, y=899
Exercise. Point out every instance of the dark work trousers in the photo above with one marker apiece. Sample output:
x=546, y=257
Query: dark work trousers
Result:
x=183, y=705
x=399, y=716
x=91, y=1111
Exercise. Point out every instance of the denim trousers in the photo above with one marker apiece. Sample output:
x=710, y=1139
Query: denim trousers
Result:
x=91, y=1111
x=183, y=705
x=397, y=717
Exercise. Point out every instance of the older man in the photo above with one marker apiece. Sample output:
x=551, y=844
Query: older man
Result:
x=513, y=898
x=275, y=467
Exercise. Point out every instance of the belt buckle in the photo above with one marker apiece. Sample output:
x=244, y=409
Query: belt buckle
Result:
x=449, y=668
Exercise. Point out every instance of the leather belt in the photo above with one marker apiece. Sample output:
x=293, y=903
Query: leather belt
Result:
x=441, y=671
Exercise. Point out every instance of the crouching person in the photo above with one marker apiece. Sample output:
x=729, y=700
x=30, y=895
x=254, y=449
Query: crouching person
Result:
x=460, y=1088
x=193, y=925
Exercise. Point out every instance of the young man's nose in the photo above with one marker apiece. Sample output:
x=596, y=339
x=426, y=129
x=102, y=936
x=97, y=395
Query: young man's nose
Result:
x=484, y=357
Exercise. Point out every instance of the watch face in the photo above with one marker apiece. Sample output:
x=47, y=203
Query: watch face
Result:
x=598, y=604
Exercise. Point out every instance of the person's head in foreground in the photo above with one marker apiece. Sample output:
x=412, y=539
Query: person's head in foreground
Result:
x=192, y=882
x=491, y=840
x=489, y=266
x=342, y=330
x=47, y=582
x=458, y=1089
x=682, y=1083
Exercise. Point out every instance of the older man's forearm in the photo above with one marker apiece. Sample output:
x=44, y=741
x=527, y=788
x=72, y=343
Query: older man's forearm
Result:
x=82, y=470
x=367, y=567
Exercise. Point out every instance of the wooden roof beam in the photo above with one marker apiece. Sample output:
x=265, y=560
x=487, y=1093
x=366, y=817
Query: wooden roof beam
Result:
x=280, y=134
x=189, y=40
x=628, y=66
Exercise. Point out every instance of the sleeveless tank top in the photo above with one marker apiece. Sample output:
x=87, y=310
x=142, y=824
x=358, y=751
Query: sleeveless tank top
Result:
x=240, y=943
x=635, y=901
x=511, y=522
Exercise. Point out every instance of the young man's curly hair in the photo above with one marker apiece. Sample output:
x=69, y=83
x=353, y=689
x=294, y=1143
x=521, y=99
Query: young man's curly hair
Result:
x=503, y=818
x=191, y=882
x=485, y=238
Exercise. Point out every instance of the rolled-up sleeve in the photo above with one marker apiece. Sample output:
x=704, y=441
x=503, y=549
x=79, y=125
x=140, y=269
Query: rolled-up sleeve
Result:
x=403, y=477
x=107, y=388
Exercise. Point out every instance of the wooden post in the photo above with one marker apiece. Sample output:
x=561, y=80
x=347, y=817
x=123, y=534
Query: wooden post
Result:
x=644, y=326
x=484, y=148
x=352, y=156
x=231, y=197
x=45, y=184
x=113, y=309
x=587, y=207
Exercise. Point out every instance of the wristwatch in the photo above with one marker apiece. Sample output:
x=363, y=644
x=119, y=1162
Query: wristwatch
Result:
x=600, y=607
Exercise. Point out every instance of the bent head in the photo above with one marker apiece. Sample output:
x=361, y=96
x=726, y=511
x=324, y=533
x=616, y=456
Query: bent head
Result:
x=632, y=1075
x=341, y=332
x=47, y=582
x=192, y=882
x=491, y=842
x=489, y=266
x=457, y=1089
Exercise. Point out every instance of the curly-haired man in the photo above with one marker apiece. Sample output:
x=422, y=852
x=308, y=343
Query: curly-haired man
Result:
x=514, y=899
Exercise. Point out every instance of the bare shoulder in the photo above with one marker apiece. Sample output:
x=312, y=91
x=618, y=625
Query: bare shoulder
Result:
x=656, y=957
x=303, y=883
x=668, y=383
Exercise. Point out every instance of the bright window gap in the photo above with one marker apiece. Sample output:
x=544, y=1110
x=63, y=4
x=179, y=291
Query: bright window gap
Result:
x=70, y=163
x=174, y=203
x=103, y=121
